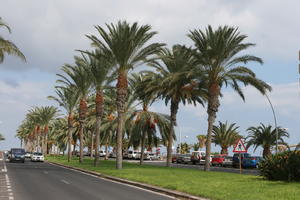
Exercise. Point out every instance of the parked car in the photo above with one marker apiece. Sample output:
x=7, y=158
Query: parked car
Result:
x=133, y=154
x=227, y=161
x=218, y=160
x=37, y=157
x=198, y=157
x=112, y=155
x=17, y=154
x=236, y=160
x=149, y=156
x=174, y=158
x=28, y=154
x=251, y=162
x=102, y=153
x=183, y=158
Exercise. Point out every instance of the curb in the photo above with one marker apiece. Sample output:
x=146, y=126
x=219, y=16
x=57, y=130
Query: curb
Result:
x=172, y=193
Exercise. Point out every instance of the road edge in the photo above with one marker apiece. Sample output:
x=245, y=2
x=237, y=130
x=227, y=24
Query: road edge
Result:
x=172, y=193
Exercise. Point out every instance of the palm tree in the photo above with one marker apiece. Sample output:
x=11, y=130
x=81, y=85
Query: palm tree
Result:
x=175, y=84
x=201, y=141
x=225, y=135
x=220, y=63
x=195, y=146
x=100, y=68
x=67, y=97
x=265, y=136
x=79, y=78
x=146, y=123
x=46, y=114
x=7, y=46
x=128, y=45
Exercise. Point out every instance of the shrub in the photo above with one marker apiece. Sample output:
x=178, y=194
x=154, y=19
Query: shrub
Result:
x=283, y=166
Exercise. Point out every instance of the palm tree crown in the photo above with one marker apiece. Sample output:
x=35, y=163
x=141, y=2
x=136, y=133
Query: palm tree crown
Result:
x=8, y=47
x=225, y=135
x=265, y=136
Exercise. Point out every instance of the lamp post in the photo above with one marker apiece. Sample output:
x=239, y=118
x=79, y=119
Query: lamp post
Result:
x=275, y=121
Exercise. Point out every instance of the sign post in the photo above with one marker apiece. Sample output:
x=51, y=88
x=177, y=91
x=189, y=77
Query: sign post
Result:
x=240, y=148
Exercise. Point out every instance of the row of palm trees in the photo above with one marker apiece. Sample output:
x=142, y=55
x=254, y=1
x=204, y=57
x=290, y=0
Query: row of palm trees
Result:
x=193, y=75
x=226, y=135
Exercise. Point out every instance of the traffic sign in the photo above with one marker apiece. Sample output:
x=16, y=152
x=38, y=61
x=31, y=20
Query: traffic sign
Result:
x=240, y=147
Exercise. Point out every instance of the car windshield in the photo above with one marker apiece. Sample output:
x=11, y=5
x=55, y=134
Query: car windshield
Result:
x=18, y=151
x=37, y=154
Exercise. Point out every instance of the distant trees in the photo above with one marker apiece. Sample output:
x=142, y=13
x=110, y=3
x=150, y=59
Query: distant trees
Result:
x=105, y=100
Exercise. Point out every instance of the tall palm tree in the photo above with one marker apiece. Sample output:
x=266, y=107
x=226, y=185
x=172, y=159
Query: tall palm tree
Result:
x=77, y=76
x=220, y=63
x=7, y=46
x=100, y=69
x=225, y=135
x=128, y=45
x=265, y=136
x=175, y=84
x=68, y=98
x=201, y=141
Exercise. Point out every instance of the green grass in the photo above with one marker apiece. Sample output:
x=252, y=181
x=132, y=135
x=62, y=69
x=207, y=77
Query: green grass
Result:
x=212, y=185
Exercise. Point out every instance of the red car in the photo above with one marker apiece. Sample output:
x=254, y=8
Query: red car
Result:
x=218, y=160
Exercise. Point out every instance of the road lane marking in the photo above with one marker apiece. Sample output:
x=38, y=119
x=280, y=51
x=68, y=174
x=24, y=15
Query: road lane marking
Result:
x=45, y=172
x=64, y=181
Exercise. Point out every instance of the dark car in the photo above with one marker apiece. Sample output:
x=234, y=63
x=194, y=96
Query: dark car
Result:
x=17, y=154
x=236, y=160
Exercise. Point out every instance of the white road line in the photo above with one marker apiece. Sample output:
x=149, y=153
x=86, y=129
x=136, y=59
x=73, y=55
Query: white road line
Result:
x=45, y=172
x=64, y=181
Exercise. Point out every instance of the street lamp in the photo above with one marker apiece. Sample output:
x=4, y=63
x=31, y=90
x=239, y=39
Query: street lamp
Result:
x=275, y=121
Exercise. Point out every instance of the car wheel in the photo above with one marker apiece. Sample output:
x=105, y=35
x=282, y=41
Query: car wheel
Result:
x=194, y=163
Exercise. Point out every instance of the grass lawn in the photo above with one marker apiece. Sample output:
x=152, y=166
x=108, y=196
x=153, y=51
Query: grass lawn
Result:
x=212, y=185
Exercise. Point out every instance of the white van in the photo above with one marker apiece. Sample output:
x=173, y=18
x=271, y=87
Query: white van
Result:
x=133, y=154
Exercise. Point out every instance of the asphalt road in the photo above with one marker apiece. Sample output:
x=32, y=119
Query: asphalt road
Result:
x=43, y=181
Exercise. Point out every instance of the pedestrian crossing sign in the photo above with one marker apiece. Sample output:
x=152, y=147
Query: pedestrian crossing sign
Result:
x=240, y=147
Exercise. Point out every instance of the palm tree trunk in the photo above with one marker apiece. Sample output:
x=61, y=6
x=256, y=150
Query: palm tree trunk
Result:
x=69, y=136
x=266, y=151
x=212, y=109
x=224, y=150
x=174, y=110
x=81, y=141
x=99, y=113
x=92, y=144
x=142, y=148
x=122, y=86
x=106, y=151
x=82, y=115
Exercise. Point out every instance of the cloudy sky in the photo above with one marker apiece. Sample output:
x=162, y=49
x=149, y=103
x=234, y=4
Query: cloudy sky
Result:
x=48, y=32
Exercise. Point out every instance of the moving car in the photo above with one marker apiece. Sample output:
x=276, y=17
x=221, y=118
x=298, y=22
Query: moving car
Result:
x=17, y=154
x=36, y=156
